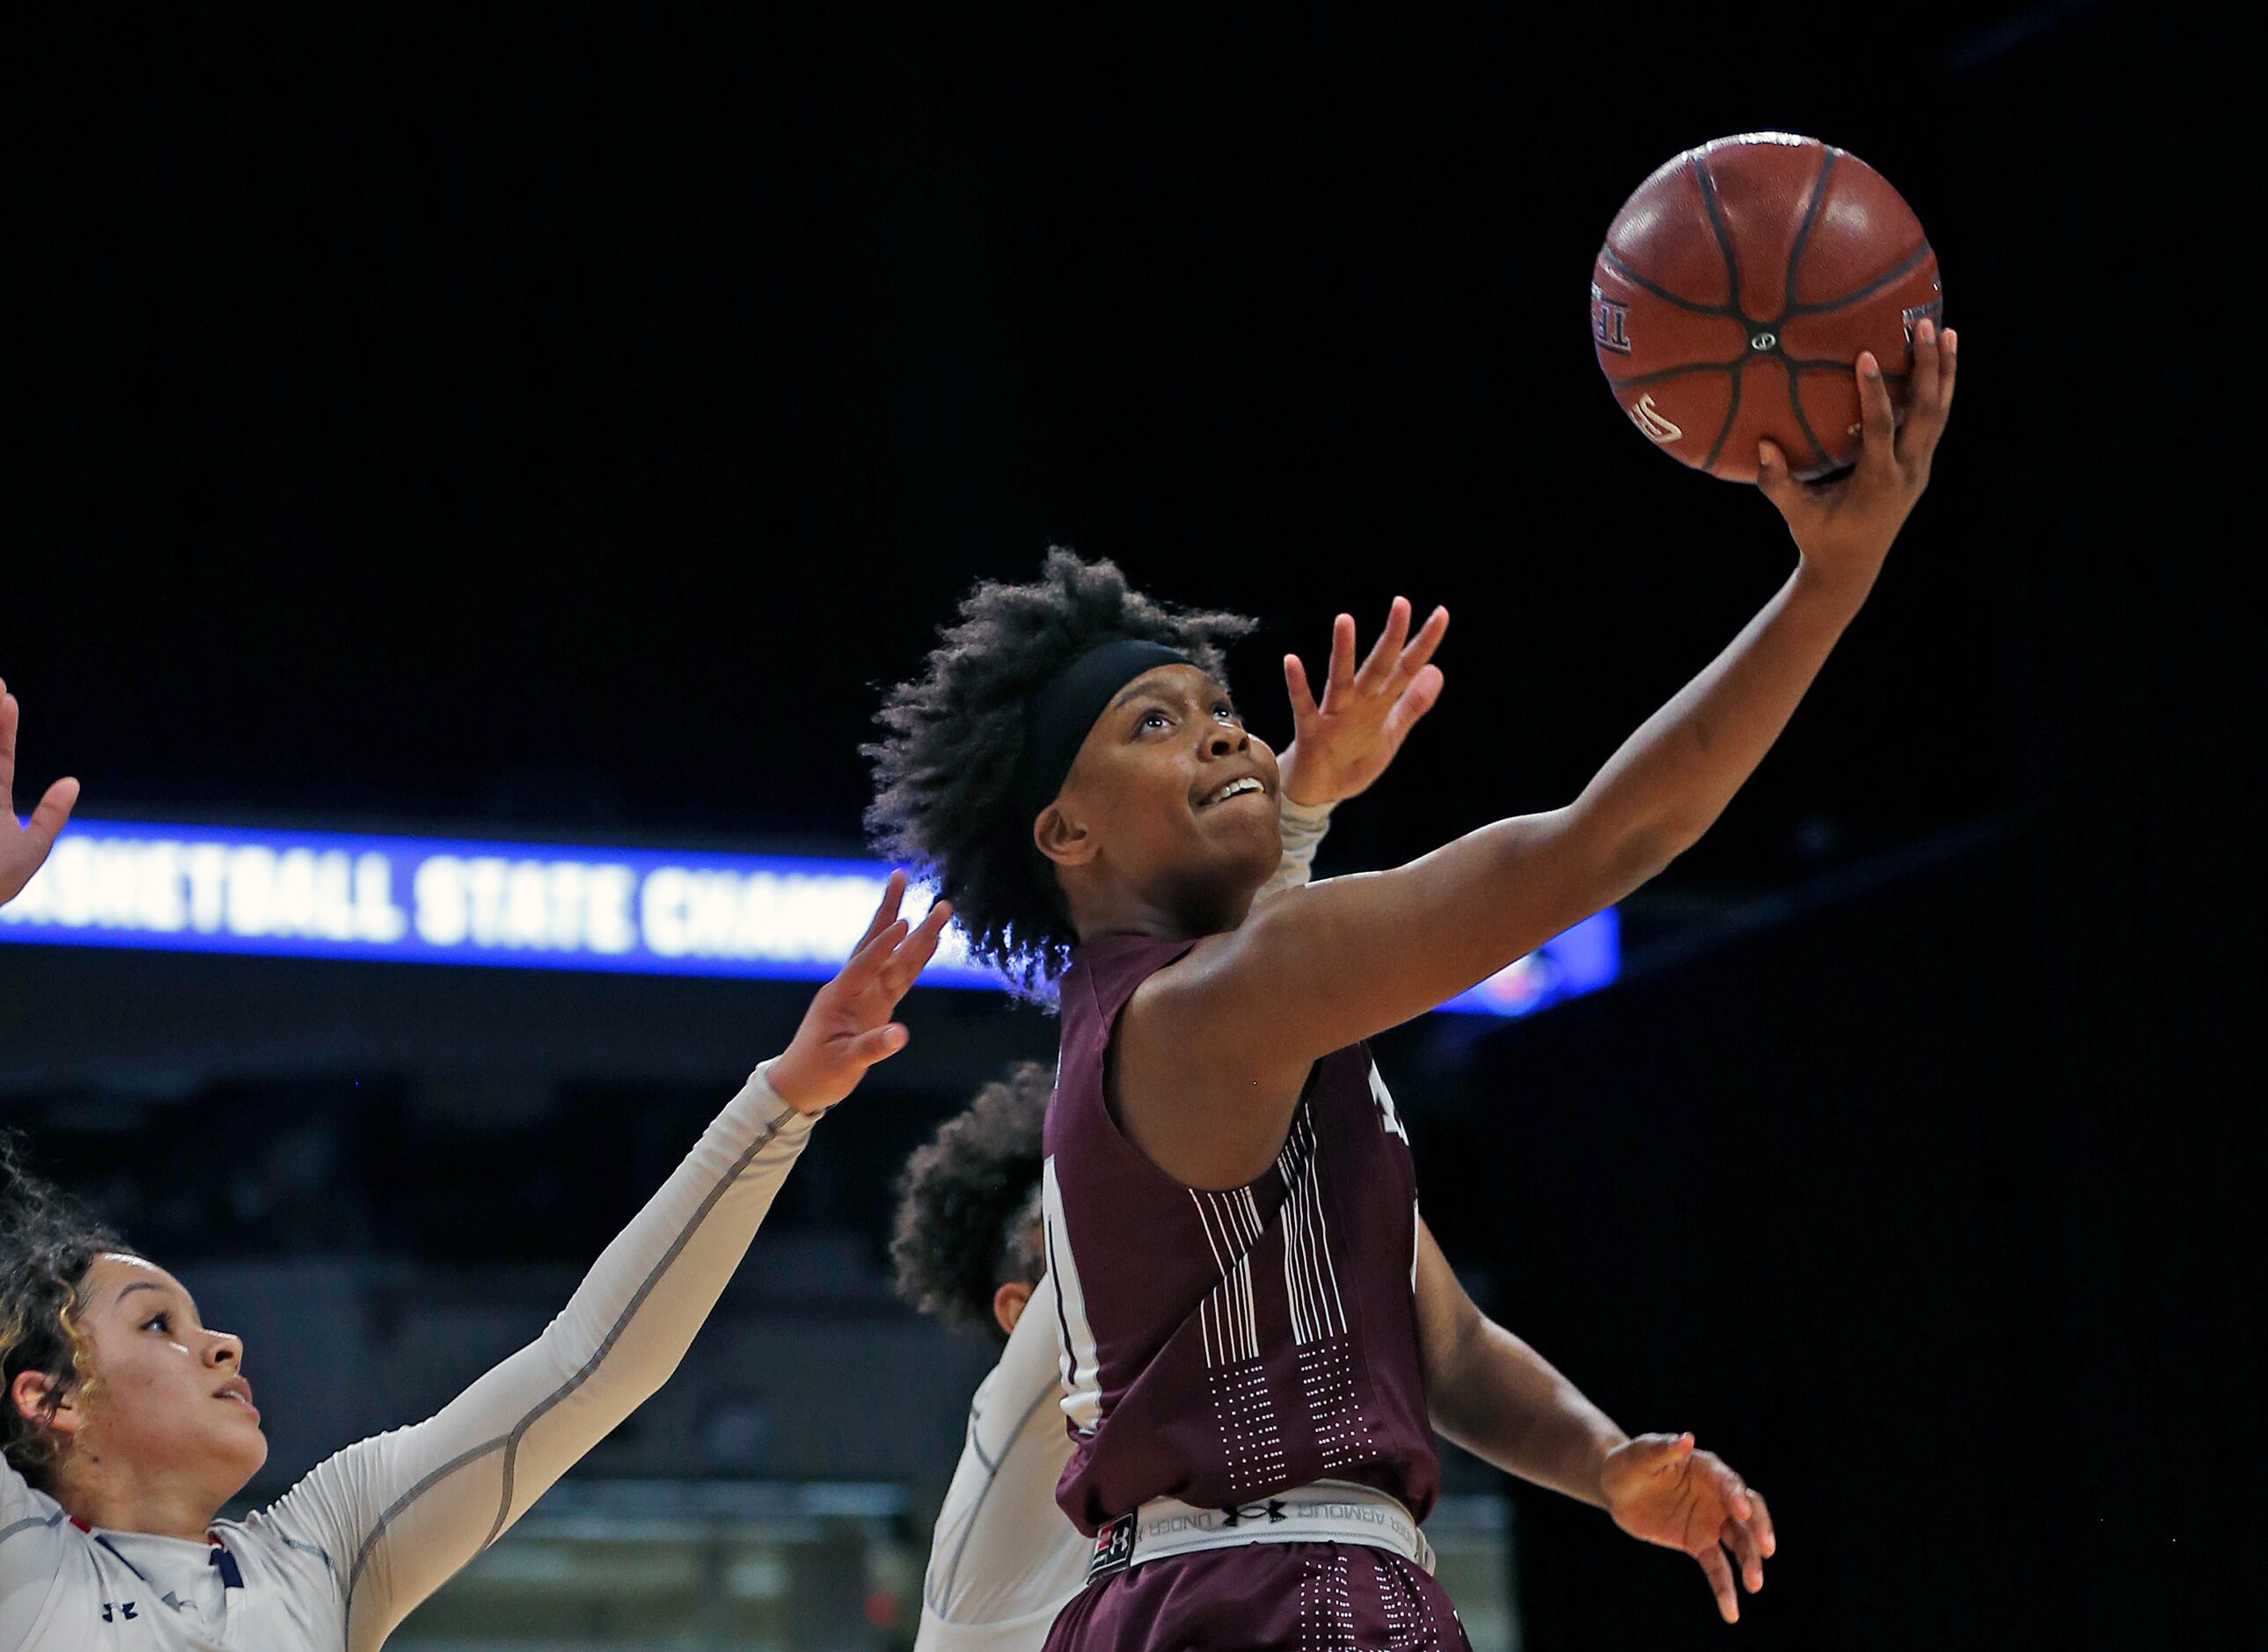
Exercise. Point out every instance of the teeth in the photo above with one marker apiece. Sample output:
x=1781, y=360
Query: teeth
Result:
x=1236, y=789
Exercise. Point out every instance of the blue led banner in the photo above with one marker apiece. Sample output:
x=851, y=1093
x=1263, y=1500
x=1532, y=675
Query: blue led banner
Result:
x=539, y=906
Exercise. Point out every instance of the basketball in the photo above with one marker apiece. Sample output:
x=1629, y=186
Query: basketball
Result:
x=1737, y=286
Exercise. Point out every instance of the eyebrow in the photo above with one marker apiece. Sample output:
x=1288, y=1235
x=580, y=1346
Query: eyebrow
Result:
x=139, y=1284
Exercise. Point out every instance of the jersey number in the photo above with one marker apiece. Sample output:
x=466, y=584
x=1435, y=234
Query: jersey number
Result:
x=1393, y=1119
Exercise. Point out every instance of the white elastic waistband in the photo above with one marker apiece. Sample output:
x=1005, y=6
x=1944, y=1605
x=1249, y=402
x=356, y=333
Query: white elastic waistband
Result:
x=1328, y=1511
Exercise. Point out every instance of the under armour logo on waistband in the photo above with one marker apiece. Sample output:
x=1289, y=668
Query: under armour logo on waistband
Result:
x=1272, y=1510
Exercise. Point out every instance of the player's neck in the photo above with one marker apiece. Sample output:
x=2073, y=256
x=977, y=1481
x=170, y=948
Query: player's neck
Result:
x=169, y=1505
x=1100, y=909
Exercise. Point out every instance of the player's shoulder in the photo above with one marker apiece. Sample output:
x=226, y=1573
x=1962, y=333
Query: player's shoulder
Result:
x=28, y=1530
x=1022, y=1385
x=1004, y=1404
x=22, y=1508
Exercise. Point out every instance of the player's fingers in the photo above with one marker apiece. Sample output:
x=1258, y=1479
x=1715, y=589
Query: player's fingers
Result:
x=1661, y=1453
x=7, y=714
x=933, y=922
x=1931, y=426
x=1924, y=409
x=912, y=955
x=1415, y=701
x=1302, y=697
x=1341, y=676
x=1777, y=482
x=1421, y=647
x=54, y=809
x=1877, y=416
x=1719, y=1573
x=1742, y=1542
x=1388, y=649
x=1729, y=1486
x=1760, y=1522
x=863, y=969
x=886, y=910
x=1921, y=383
x=866, y=963
x=878, y=1045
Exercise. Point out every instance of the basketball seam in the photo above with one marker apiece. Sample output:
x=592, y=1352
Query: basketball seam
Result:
x=1795, y=401
x=1803, y=229
x=1904, y=267
x=1613, y=260
x=1828, y=364
x=1659, y=373
x=1731, y=412
x=1708, y=187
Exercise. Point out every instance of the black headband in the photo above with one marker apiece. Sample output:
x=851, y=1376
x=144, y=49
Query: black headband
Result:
x=1057, y=721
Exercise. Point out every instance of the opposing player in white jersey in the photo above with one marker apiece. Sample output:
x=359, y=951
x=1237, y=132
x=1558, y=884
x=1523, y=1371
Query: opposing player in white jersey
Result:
x=968, y=1245
x=126, y=1423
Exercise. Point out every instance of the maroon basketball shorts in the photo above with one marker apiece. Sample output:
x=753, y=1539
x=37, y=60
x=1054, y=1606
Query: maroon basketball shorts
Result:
x=1263, y=1597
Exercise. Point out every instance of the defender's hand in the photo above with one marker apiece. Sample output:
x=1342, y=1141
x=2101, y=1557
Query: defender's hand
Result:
x=848, y=1028
x=22, y=848
x=1844, y=527
x=1660, y=1489
x=1339, y=747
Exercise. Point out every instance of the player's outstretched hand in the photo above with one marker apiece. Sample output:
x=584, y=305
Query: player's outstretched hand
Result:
x=848, y=1028
x=23, y=847
x=1661, y=1489
x=1340, y=746
x=1844, y=527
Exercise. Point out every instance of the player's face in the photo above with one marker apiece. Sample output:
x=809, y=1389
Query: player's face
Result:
x=169, y=1397
x=1180, y=797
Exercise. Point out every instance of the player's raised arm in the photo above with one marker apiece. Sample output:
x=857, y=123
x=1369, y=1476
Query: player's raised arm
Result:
x=23, y=847
x=398, y=1515
x=1350, y=958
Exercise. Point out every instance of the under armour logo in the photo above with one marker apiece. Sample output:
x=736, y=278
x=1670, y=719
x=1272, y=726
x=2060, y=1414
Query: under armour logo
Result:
x=1272, y=1510
x=1114, y=1547
x=125, y=1612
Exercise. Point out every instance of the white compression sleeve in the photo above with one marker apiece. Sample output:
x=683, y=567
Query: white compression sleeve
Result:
x=402, y=1512
x=1302, y=829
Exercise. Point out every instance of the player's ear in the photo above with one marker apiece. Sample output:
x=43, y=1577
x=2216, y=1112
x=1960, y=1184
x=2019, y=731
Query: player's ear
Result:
x=1009, y=1302
x=32, y=1392
x=1063, y=838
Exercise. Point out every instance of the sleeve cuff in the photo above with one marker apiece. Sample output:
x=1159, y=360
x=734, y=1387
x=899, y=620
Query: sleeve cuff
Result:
x=765, y=1106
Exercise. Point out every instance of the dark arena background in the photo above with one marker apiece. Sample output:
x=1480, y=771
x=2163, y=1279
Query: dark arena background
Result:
x=555, y=424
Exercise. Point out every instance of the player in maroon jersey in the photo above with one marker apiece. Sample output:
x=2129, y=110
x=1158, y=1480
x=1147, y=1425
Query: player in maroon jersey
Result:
x=1259, y=1334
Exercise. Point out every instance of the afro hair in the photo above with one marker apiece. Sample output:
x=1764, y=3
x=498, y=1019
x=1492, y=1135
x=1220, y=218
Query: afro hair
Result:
x=964, y=1201
x=944, y=766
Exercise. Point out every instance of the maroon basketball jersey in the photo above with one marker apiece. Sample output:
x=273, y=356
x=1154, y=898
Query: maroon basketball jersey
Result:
x=1221, y=1348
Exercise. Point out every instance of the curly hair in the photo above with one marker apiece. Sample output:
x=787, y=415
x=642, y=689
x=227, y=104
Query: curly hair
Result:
x=966, y=1203
x=46, y=1245
x=945, y=767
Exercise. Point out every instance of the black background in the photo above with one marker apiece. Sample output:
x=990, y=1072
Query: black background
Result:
x=570, y=417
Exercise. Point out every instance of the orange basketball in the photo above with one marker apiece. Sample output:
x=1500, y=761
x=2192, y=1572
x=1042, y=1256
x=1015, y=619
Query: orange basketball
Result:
x=1738, y=285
